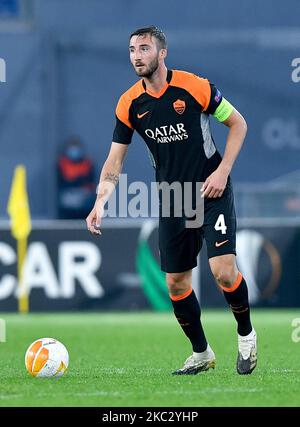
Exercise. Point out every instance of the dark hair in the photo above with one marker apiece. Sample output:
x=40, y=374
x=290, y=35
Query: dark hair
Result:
x=153, y=31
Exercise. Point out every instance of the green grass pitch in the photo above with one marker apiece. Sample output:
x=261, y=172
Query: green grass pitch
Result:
x=125, y=359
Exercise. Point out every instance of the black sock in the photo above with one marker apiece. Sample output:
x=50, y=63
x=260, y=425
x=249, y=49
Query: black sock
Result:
x=187, y=311
x=239, y=304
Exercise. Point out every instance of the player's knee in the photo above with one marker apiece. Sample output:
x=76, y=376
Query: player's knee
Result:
x=178, y=283
x=225, y=276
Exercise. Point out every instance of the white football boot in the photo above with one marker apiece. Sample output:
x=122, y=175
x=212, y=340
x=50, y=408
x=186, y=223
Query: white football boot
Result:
x=197, y=362
x=247, y=355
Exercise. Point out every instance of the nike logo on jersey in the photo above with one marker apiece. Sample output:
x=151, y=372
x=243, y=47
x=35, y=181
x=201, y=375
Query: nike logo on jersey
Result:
x=139, y=116
x=218, y=244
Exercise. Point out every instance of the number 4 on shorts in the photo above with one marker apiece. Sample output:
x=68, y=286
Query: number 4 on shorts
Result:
x=220, y=224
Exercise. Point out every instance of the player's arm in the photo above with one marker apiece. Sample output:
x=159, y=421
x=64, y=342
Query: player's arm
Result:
x=108, y=181
x=112, y=167
x=215, y=184
x=237, y=132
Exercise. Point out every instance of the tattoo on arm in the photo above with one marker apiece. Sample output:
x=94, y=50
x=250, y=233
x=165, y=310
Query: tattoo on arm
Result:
x=102, y=193
x=111, y=177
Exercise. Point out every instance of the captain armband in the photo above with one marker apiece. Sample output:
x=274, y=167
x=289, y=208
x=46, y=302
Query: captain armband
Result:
x=223, y=111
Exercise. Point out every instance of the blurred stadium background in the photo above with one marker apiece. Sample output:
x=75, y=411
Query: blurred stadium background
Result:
x=66, y=65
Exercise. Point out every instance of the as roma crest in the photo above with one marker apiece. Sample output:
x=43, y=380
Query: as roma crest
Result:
x=179, y=106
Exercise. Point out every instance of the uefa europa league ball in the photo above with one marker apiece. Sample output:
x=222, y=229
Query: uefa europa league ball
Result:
x=46, y=357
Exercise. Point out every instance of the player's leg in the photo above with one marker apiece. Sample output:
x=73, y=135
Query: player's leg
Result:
x=179, y=248
x=186, y=308
x=188, y=313
x=220, y=234
x=235, y=290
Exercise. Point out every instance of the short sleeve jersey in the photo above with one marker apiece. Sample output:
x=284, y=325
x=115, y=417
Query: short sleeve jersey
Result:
x=174, y=124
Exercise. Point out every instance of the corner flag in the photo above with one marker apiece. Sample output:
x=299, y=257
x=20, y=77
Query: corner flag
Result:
x=18, y=206
x=18, y=210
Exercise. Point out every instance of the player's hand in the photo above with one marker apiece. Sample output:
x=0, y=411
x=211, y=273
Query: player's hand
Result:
x=93, y=220
x=214, y=184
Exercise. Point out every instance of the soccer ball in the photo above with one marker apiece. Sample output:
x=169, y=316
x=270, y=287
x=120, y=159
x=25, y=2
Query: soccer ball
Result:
x=46, y=357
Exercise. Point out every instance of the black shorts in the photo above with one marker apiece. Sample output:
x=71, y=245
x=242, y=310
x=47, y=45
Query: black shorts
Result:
x=179, y=246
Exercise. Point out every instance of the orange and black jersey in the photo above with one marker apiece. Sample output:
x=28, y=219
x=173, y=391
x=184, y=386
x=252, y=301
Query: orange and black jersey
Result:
x=174, y=124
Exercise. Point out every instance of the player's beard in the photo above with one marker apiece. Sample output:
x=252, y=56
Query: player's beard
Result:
x=150, y=69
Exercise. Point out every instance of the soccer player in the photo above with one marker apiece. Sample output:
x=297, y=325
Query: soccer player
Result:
x=170, y=110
